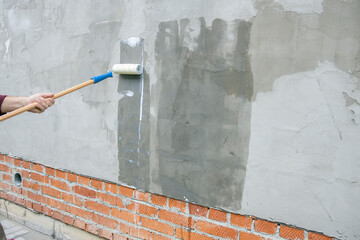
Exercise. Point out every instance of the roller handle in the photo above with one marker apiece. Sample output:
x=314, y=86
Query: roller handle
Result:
x=30, y=106
x=18, y=111
x=102, y=77
x=33, y=105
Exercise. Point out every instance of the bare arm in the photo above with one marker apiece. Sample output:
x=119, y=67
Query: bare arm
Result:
x=43, y=100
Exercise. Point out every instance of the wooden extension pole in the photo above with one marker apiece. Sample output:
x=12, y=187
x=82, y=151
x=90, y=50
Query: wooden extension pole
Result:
x=33, y=105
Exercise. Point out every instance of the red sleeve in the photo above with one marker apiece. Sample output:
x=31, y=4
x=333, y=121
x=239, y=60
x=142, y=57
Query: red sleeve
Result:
x=2, y=97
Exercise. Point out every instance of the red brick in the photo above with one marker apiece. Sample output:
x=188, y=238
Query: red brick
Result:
x=157, y=226
x=159, y=200
x=17, y=162
x=124, y=228
x=241, y=221
x=15, y=189
x=217, y=215
x=84, y=180
x=92, y=229
x=80, y=213
x=106, y=234
x=176, y=218
x=37, y=167
x=53, y=203
x=9, y=197
x=26, y=165
x=85, y=192
x=143, y=196
x=60, y=174
x=72, y=177
x=8, y=159
x=4, y=168
x=57, y=215
x=317, y=236
x=145, y=210
x=187, y=235
x=265, y=226
x=47, y=211
x=36, y=197
x=50, y=171
x=110, y=187
x=19, y=200
x=198, y=210
x=291, y=233
x=68, y=220
x=37, y=177
x=24, y=192
x=250, y=236
x=120, y=237
x=173, y=203
x=126, y=191
x=97, y=184
x=4, y=185
x=107, y=198
x=30, y=184
x=2, y=194
x=104, y=221
x=119, y=203
x=159, y=237
x=60, y=184
x=79, y=224
x=216, y=230
x=79, y=201
x=25, y=174
x=125, y=215
x=144, y=234
x=51, y=192
x=97, y=207
x=37, y=207
x=28, y=204
x=67, y=197
x=142, y=209
x=136, y=232
x=7, y=177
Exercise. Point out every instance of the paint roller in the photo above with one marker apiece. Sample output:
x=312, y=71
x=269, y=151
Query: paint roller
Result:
x=128, y=69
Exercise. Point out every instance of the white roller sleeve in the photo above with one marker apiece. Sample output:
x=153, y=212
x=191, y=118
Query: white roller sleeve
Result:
x=133, y=69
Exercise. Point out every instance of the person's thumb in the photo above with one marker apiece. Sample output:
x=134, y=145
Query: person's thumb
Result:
x=47, y=95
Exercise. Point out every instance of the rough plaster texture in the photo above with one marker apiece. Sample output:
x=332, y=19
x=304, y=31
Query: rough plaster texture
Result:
x=251, y=106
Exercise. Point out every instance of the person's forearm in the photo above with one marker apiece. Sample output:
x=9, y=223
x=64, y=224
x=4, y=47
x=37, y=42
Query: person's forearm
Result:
x=11, y=103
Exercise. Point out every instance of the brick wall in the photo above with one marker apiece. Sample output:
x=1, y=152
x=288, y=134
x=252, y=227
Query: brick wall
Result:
x=116, y=212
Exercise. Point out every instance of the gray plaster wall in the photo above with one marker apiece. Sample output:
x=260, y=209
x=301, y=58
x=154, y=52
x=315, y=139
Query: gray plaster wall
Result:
x=250, y=106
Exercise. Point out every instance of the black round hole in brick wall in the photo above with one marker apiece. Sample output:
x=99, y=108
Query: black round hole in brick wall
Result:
x=17, y=179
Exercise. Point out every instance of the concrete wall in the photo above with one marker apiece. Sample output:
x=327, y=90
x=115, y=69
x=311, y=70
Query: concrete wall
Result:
x=250, y=106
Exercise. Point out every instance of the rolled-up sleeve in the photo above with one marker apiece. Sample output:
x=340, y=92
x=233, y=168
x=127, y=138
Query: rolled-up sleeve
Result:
x=2, y=97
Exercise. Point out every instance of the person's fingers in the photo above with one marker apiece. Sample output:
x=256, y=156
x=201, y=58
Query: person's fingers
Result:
x=50, y=101
x=46, y=99
x=41, y=105
x=35, y=110
x=43, y=101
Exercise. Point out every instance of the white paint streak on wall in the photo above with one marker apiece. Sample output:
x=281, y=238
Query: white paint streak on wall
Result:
x=7, y=44
x=133, y=41
x=128, y=93
x=302, y=147
x=302, y=6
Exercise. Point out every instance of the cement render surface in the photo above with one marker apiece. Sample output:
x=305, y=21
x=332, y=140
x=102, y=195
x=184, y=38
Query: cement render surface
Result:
x=251, y=107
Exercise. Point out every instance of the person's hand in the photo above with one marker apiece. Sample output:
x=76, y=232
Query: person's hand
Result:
x=43, y=101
